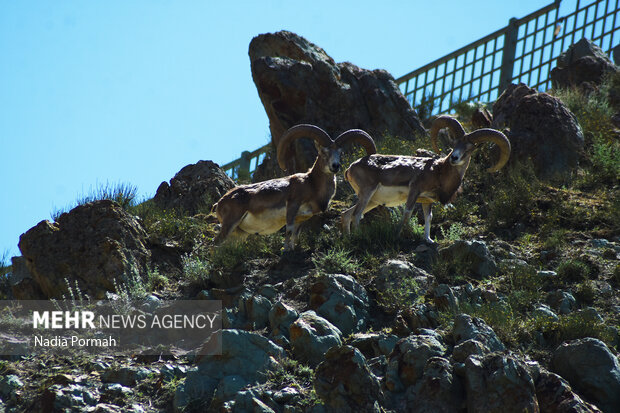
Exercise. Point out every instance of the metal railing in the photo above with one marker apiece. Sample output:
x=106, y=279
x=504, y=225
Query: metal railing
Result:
x=524, y=51
x=241, y=169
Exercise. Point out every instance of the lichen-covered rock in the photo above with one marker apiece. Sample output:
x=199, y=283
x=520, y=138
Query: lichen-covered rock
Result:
x=374, y=344
x=407, y=361
x=194, y=188
x=469, y=257
x=444, y=298
x=438, y=390
x=281, y=316
x=397, y=275
x=583, y=62
x=311, y=337
x=541, y=128
x=23, y=285
x=555, y=395
x=467, y=327
x=499, y=383
x=468, y=348
x=298, y=82
x=341, y=300
x=592, y=369
x=562, y=301
x=93, y=245
x=246, y=355
x=345, y=383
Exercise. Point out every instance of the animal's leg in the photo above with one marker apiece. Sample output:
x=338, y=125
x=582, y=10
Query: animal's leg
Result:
x=291, y=227
x=428, y=216
x=362, y=204
x=228, y=227
x=411, y=200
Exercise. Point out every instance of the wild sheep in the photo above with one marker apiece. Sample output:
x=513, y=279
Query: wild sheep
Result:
x=391, y=180
x=265, y=207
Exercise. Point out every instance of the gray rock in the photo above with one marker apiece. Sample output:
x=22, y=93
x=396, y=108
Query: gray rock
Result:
x=421, y=316
x=244, y=354
x=444, y=298
x=407, y=361
x=194, y=188
x=547, y=274
x=281, y=316
x=345, y=383
x=499, y=383
x=545, y=313
x=298, y=82
x=600, y=243
x=592, y=369
x=470, y=257
x=541, y=128
x=562, y=301
x=127, y=375
x=229, y=386
x=170, y=372
x=246, y=401
x=437, y=391
x=583, y=62
x=341, y=300
x=555, y=395
x=93, y=245
x=22, y=283
x=374, y=344
x=72, y=397
x=257, y=310
x=10, y=386
x=468, y=348
x=311, y=337
x=466, y=327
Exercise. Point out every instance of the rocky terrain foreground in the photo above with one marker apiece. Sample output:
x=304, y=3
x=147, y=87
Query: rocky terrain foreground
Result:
x=514, y=308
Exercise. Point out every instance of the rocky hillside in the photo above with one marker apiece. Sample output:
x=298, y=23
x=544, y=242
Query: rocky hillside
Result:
x=514, y=308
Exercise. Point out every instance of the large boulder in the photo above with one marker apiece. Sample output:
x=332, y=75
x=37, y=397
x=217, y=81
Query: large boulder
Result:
x=499, y=383
x=592, y=369
x=555, y=395
x=194, y=188
x=471, y=257
x=583, y=65
x=341, y=300
x=246, y=356
x=298, y=82
x=541, y=128
x=311, y=337
x=345, y=383
x=89, y=248
x=438, y=391
x=467, y=328
x=407, y=361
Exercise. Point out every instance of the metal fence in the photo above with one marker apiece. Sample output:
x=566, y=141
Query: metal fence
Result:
x=524, y=51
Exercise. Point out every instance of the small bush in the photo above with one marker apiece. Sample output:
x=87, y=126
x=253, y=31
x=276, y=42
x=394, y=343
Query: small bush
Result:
x=195, y=268
x=513, y=197
x=573, y=270
x=455, y=232
x=337, y=260
x=233, y=253
x=586, y=292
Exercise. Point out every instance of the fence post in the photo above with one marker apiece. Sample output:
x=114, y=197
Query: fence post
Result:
x=243, y=174
x=508, y=54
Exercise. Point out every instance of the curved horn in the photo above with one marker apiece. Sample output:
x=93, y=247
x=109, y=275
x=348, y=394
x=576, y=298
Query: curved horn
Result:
x=300, y=131
x=449, y=122
x=496, y=137
x=357, y=136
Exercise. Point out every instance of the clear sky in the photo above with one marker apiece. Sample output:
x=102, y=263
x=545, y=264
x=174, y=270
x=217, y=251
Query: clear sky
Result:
x=131, y=91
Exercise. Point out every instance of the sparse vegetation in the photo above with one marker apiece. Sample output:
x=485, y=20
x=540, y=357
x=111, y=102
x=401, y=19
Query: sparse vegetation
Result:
x=573, y=270
x=122, y=193
x=337, y=260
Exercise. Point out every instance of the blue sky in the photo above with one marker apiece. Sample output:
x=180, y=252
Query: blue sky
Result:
x=93, y=92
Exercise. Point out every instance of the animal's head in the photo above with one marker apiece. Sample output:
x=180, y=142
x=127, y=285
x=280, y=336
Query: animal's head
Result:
x=464, y=144
x=329, y=150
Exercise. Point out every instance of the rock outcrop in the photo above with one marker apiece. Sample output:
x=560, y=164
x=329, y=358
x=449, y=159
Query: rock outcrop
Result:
x=298, y=82
x=89, y=248
x=540, y=128
x=194, y=188
x=583, y=65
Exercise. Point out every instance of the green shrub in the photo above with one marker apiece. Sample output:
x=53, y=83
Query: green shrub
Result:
x=5, y=263
x=455, y=232
x=513, y=197
x=573, y=270
x=195, y=269
x=586, y=292
x=336, y=260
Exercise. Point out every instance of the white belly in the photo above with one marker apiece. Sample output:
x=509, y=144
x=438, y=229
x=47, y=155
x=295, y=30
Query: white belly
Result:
x=391, y=196
x=271, y=220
